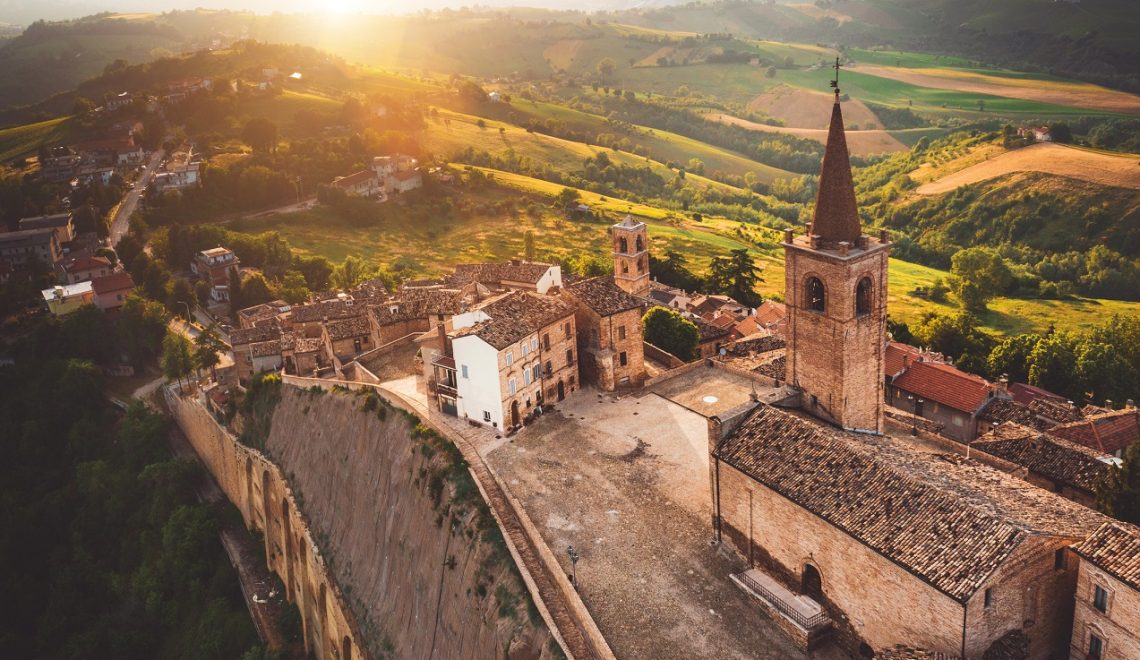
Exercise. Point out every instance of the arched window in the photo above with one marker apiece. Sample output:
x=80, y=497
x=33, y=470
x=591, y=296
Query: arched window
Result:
x=624, y=245
x=640, y=243
x=816, y=297
x=863, y=297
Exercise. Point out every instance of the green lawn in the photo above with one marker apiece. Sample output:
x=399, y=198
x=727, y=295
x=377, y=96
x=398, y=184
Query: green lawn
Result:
x=24, y=140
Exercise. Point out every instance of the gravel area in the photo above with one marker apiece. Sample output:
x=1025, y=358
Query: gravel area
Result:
x=625, y=481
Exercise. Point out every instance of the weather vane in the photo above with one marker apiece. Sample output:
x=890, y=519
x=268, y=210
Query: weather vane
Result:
x=835, y=82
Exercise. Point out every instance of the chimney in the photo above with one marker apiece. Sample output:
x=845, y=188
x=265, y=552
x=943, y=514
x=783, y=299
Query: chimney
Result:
x=1003, y=385
x=1129, y=404
x=1108, y=403
x=445, y=345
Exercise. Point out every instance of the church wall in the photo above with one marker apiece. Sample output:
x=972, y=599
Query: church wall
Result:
x=1028, y=593
x=885, y=604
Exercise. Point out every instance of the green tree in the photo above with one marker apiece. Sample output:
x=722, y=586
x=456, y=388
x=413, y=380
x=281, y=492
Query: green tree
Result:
x=1011, y=357
x=1052, y=363
x=736, y=276
x=606, y=68
x=141, y=326
x=207, y=346
x=674, y=271
x=352, y=271
x=1119, y=494
x=668, y=330
x=294, y=289
x=977, y=275
x=567, y=197
x=957, y=337
x=260, y=134
x=182, y=298
x=177, y=361
x=254, y=290
x=528, y=245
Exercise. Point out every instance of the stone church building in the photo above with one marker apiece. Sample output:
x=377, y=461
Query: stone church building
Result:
x=852, y=529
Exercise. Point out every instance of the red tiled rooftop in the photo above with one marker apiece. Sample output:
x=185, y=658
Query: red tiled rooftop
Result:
x=1115, y=547
x=896, y=356
x=946, y=385
x=121, y=281
x=1107, y=432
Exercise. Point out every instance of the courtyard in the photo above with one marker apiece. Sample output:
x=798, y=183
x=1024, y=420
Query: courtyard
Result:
x=625, y=482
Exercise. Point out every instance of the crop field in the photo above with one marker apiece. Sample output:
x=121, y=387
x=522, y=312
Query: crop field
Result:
x=1056, y=92
x=284, y=108
x=802, y=108
x=860, y=143
x=23, y=140
x=1119, y=171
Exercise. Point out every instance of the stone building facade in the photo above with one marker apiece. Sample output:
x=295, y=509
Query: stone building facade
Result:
x=609, y=333
x=836, y=301
x=1106, y=624
x=631, y=256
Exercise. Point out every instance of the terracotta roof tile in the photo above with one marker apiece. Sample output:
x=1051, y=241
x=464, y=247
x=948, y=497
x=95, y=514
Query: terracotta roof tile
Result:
x=1056, y=458
x=1008, y=410
x=898, y=356
x=516, y=315
x=603, y=296
x=1107, y=432
x=354, y=179
x=121, y=281
x=948, y=520
x=356, y=326
x=523, y=272
x=243, y=336
x=1115, y=547
x=326, y=310
x=945, y=384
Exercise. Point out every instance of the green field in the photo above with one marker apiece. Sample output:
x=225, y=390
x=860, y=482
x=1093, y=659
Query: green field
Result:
x=18, y=141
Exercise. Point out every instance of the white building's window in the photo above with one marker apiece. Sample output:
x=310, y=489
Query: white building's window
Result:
x=512, y=386
x=486, y=415
x=463, y=370
x=510, y=358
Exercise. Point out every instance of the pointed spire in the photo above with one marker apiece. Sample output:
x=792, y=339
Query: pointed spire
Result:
x=836, y=216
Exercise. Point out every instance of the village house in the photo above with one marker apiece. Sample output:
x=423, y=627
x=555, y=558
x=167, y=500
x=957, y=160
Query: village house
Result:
x=349, y=337
x=766, y=320
x=216, y=266
x=942, y=394
x=111, y=290
x=60, y=223
x=417, y=310
x=310, y=319
x=513, y=275
x=508, y=358
x=21, y=248
x=667, y=296
x=1109, y=432
x=113, y=152
x=402, y=182
x=248, y=360
x=274, y=312
x=359, y=184
x=1048, y=461
x=608, y=322
x=83, y=268
x=64, y=299
x=95, y=175
x=60, y=166
x=1106, y=623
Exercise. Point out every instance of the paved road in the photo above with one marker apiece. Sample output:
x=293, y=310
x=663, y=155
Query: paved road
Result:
x=122, y=220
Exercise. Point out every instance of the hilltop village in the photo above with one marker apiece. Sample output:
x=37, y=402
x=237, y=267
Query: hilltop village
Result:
x=861, y=496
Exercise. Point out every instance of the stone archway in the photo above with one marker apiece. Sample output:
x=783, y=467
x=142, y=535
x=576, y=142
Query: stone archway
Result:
x=290, y=586
x=811, y=582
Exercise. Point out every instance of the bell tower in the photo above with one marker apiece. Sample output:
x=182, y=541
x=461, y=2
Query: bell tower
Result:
x=836, y=296
x=631, y=256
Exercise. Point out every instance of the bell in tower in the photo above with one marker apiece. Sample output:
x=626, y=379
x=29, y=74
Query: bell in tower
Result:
x=836, y=295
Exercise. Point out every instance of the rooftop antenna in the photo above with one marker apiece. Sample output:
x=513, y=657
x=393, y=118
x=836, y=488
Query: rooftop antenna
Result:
x=835, y=81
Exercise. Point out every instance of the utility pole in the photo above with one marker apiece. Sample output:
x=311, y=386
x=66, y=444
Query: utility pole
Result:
x=574, y=557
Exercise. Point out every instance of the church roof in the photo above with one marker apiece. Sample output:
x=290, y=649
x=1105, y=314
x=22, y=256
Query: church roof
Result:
x=836, y=215
x=603, y=296
x=948, y=520
x=1062, y=461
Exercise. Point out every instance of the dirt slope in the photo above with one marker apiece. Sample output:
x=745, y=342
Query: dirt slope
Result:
x=800, y=108
x=1105, y=169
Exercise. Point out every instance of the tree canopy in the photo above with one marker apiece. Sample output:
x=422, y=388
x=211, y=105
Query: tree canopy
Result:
x=671, y=332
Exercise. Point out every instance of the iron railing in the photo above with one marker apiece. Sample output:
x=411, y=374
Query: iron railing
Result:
x=809, y=623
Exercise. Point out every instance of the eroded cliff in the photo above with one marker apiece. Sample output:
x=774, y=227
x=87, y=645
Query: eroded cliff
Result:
x=403, y=530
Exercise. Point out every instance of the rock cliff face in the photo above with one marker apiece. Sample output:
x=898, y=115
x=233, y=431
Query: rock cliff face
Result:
x=403, y=531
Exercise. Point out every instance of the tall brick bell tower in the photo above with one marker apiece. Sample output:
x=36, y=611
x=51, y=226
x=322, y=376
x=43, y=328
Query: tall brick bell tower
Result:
x=631, y=256
x=836, y=300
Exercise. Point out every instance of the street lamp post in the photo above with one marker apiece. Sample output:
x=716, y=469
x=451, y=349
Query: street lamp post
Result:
x=189, y=317
x=574, y=557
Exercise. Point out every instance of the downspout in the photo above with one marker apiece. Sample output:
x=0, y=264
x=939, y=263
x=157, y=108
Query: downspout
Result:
x=717, y=488
x=965, y=608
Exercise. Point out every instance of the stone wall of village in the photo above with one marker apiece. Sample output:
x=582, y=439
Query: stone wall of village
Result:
x=259, y=489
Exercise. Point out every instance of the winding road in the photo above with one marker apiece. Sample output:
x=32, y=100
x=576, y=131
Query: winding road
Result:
x=121, y=223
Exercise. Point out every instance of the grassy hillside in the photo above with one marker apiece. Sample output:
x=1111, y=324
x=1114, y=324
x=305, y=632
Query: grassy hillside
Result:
x=19, y=141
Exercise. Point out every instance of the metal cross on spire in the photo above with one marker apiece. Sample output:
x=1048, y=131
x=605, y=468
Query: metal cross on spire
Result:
x=835, y=82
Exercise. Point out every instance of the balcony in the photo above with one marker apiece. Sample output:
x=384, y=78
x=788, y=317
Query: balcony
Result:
x=798, y=615
x=446, y=389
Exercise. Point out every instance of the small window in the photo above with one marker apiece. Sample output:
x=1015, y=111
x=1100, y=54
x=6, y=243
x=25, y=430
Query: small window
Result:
x=463, y=370
x=567, y=330
x=510, y=358
x=621, y=332
x=512, y=386
x=549, y=368
x=1059, y=559
x=526, y=378
x=816, y=295
x=625, y=268
x=569, y=357
x=534, y=343
x=863, y=297
x=1096, y=647
x=486, y=415
x=546, y=342
x=989, y=598
x=525, y=349
x=537, y=371
x=622, y=358
x=1100, y=599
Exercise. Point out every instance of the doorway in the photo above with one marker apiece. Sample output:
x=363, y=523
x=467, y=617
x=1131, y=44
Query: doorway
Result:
x=561, y=390
x=812, y=582
x=514, y=413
